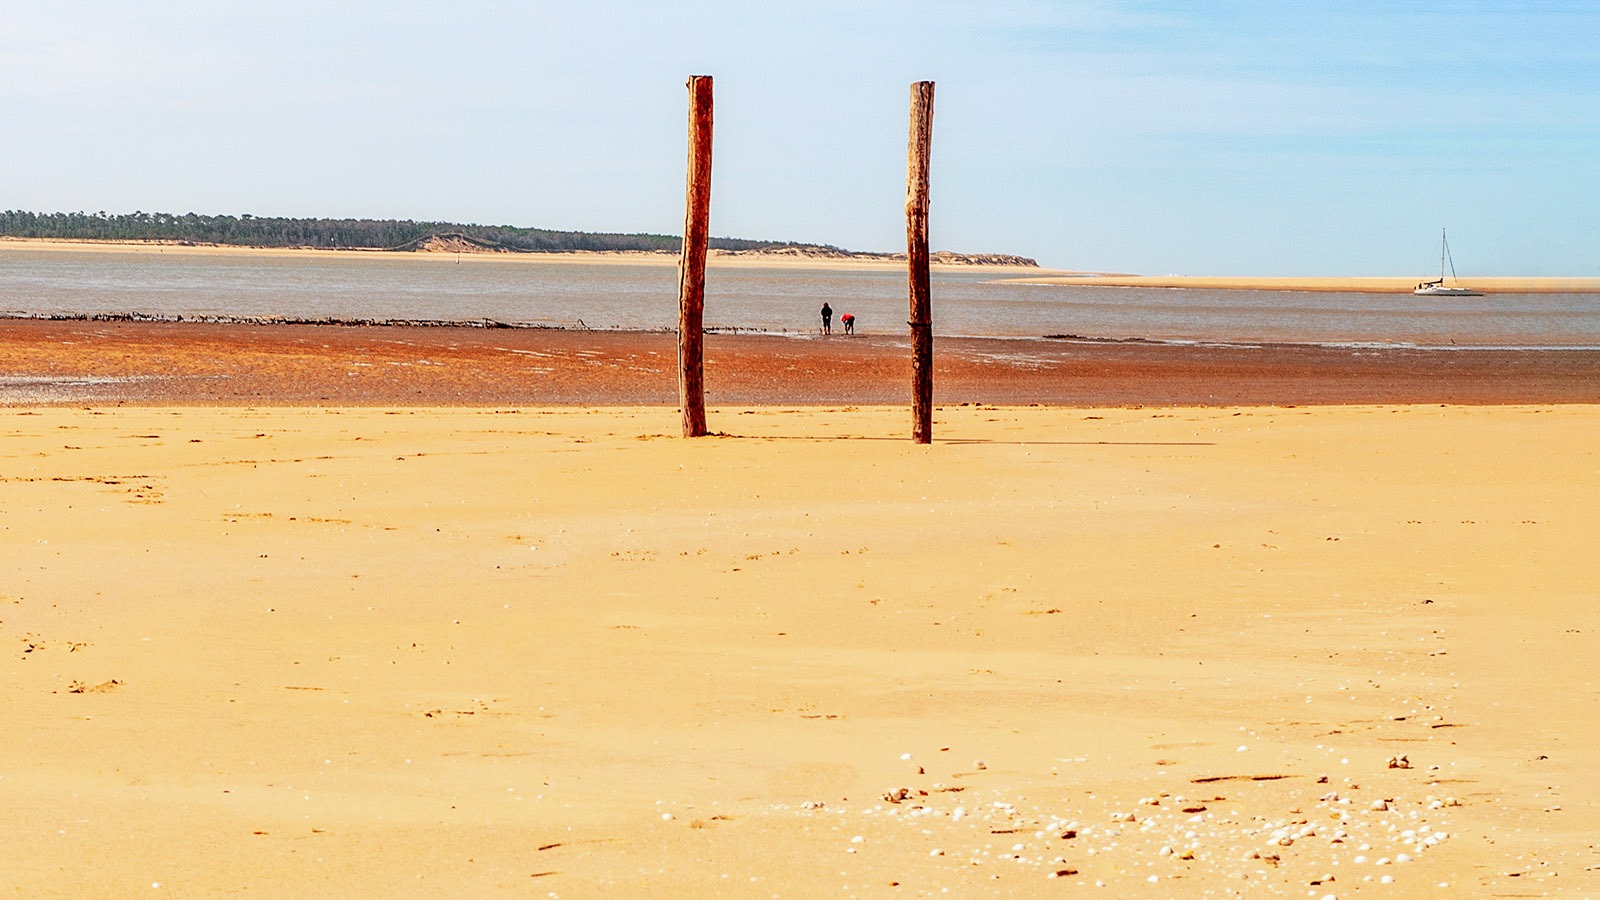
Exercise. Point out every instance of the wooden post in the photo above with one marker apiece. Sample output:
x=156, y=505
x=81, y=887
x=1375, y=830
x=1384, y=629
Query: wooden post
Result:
x=692, y=264
x=921, y=320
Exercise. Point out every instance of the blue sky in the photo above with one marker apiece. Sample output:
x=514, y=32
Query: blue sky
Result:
x=1316, y=138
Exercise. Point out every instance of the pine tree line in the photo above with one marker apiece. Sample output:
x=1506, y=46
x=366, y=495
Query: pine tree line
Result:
x=268, y=231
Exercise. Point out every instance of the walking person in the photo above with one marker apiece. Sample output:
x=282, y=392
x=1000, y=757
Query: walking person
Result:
x=827, y=318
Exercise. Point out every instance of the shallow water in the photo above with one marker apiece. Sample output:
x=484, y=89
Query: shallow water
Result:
x=782, y=300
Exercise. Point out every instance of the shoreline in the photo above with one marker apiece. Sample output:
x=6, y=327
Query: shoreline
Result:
x=124, y=361
x=488, y=324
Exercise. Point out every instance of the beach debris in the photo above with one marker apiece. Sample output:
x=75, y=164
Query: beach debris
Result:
x=1399, y=762
x=79, y=687
x=1287, y=836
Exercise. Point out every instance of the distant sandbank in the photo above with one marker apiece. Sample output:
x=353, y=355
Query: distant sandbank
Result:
x=1376, y=284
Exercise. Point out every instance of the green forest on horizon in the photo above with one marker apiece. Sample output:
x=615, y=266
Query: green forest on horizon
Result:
x=333, y=234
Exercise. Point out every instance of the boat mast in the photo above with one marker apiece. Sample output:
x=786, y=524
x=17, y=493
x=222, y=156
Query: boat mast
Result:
x=1445, y=254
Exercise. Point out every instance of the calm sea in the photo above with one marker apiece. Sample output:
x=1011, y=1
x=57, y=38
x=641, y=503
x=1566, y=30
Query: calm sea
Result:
x=779, y=300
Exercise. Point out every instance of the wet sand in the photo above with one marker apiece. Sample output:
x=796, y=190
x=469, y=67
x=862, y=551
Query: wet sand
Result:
x=71, y=362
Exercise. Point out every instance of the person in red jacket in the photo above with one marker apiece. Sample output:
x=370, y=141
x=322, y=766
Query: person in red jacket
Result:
x=849, y=320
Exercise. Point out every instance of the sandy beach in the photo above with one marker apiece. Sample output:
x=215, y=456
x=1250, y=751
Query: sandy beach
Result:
x=310, y=652
x=303, y=611
x=351, y=547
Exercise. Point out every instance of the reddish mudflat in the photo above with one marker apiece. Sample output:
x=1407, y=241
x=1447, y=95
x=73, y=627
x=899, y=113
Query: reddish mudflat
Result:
x=163, y=363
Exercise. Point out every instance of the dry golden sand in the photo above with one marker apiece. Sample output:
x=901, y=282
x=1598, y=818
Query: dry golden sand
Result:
x=476, y=653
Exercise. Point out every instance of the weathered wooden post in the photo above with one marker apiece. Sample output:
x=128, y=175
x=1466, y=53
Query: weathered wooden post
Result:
x=692, y=264
x=921, y=320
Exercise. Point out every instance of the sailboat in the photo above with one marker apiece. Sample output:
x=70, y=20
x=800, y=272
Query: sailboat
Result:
x=1437, y=287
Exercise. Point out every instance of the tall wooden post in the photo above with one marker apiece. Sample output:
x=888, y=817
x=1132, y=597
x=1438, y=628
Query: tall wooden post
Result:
x=692, y=264
x=921, y=320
